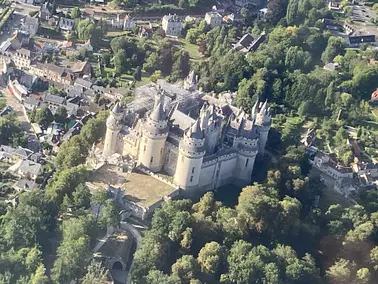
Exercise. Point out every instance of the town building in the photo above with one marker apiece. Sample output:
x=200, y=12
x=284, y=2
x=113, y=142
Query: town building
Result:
x=213, y=19
x=248, y=43
x=52, y=72
x=128, y=23
x=200, y=141
x=66, y=25
x=22, y=58
x=172, y=25
x=31, y=25
x=358, y=40
x=46, y=10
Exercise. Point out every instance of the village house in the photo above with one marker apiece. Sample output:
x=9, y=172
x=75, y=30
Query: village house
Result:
x=248, y=43
x=172, y=25
x=128, y=23
x=31, y=25
x=358, y=40
x=213, y=19
x=17, y=90
x=25, y=184
x=26, y=169
x=145, y=31
x=46, y=10
x=52, y=72
x=330, y=167
x=66, y=25
x=82, y=68
x=31, y=103
x=85, y=84
x=22, y=58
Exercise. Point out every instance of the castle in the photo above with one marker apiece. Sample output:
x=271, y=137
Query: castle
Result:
x=203, y=142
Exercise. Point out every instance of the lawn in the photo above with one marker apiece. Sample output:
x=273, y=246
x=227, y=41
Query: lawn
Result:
x=117, y=33
x=192, y=49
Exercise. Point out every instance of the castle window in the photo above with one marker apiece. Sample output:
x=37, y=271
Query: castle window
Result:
x=246, y=163
x=152, y=159
x=191, y=178
x=144, y=148
x=182, y=159
x=193, y=170
x=161, y=152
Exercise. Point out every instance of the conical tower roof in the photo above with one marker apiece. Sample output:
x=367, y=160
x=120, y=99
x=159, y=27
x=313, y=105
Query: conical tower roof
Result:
x=117, y=108
x=195, y=131
x=158, y=113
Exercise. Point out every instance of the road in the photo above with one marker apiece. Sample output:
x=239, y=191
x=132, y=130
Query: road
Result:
x=33, y=142
x=138, y=238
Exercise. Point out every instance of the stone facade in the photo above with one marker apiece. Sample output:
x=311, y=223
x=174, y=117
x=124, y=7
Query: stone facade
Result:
x=172, y=25
x=202, y=148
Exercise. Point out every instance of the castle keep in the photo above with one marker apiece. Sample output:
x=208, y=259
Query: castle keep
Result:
x=203, y=142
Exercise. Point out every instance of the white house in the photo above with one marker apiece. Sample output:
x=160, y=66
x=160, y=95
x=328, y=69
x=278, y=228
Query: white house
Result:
x=172, y=25
x=213, y=19
x=66, y=24
x=128, y=23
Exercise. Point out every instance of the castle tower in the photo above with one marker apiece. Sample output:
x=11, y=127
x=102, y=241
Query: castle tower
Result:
x=189, y=162
x=247, y=144
x=190, y=82
x=113, y=126
x=263, y=120
x=155, y=132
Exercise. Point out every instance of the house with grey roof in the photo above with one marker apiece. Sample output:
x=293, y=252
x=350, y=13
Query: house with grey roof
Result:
x=31, y=25
x=25, y=184
x=172, y=25
x=29, y=169
x=66, y=25
x=86, y=84
x=31, y=103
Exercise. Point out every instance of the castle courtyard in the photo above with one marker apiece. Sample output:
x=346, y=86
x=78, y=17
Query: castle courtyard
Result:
x=139, y=187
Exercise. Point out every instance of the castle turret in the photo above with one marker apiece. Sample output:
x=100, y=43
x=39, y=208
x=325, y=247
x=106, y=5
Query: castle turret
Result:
x=155, y=132
x=247, y=144
x=263, y=120
x=113, y=126
x=189, y=162
x=190, y=82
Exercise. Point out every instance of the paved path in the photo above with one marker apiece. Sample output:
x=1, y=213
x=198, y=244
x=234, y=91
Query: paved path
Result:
x=33, y=142
x=138, y=237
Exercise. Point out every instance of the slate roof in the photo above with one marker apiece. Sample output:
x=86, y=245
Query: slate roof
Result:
x=31, y=21
x=32, y=102
x=158, y=113
x=83, y=83
x=54, y=99
x=79, y=67
x=23, y=152
x=26, y=184
x=24, y=52
x=31, y=167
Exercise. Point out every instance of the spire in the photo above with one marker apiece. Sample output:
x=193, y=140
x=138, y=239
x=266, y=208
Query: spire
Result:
x=263, y=108
x=254, y=109
x=158, y=113
x=195, y=131
x=117, y=108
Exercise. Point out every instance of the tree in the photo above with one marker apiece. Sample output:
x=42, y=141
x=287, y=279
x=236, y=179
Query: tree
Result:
x=75, y=13
x=291, y=13
x=44, y=117
x=61, y=115
x=110, y=214
x=186, y=268
x=73, y=253
x=210, y=258
x=340, y=272
x=96, y=273
x=39, y=277
x=137, y=75
x=152, y=63
x=120, y=61
x=81, y=197
x=99, y=198
x=156, y=76
x=72, y=153
x=335, y=46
